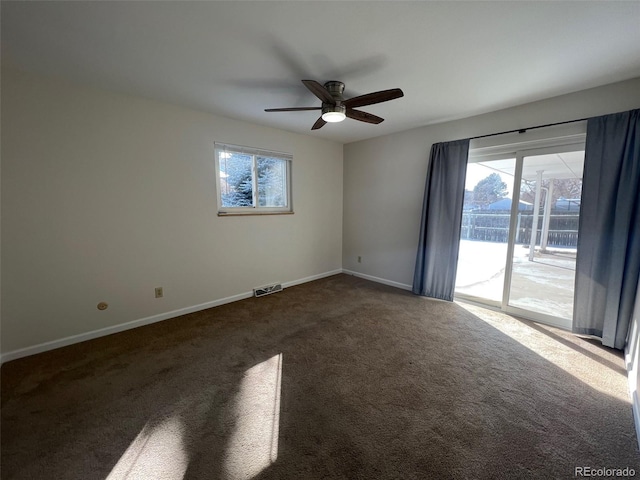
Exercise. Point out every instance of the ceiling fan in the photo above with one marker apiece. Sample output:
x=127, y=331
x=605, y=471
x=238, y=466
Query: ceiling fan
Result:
x=335, y=108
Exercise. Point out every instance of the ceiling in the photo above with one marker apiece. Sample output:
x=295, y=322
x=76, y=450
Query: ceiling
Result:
x=236, y=58
x=555, y=165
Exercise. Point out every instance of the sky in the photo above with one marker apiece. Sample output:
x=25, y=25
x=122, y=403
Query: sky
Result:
x=476, y=172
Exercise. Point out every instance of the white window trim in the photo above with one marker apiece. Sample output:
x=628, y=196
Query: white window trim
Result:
x=254, y=210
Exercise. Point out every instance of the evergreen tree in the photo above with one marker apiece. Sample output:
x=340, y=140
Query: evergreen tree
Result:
x=489, y=190
x=238, y=191
x=237, y=182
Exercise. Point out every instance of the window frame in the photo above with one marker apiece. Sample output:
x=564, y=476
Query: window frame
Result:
x=255, y=209
x=554, y=139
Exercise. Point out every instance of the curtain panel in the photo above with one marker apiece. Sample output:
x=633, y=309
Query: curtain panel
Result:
x=437, y=257
x=608, y=260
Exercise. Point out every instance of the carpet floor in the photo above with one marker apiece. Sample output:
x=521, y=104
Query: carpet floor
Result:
x=340, y=378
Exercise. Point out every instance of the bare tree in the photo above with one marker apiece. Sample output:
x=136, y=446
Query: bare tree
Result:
x=562, y=188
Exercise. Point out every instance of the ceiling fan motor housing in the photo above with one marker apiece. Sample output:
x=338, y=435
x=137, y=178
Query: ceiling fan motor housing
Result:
x=335, y=89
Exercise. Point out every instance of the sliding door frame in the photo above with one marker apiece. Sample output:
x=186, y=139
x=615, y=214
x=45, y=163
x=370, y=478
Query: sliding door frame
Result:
x=565, y=144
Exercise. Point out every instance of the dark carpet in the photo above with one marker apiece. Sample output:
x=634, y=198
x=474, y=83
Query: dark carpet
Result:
x=340, y=378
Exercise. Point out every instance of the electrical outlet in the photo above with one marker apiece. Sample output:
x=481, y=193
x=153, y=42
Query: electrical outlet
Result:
x=359, y=259
x=159, y=292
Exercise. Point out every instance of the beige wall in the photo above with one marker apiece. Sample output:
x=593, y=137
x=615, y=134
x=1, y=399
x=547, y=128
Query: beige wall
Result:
x=384, y=177
x=106, y=196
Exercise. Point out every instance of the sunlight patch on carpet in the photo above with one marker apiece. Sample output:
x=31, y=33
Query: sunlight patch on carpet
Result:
x=577, y=362
x=253, y=446
x=157, y=452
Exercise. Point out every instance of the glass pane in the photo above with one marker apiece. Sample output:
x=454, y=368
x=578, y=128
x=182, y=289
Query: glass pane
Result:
x=272, y=182
x=236, y=186
x=544, y=258
x=484, y=234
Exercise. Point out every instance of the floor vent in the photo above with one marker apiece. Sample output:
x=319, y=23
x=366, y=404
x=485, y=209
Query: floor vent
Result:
x=266, y=290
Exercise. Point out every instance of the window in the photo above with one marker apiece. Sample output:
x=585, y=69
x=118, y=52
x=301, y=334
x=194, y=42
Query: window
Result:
x=252, y=181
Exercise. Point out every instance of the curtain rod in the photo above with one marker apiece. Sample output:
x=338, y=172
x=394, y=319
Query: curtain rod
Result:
x=523, y=130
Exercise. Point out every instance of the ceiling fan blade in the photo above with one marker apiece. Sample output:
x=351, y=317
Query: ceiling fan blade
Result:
x=375, y=97
x=319, y=124
x=319, y=91
x=294, y=109
x=363, y=116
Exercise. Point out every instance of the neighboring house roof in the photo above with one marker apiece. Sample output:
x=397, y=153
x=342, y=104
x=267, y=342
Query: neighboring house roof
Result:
x=505, y=204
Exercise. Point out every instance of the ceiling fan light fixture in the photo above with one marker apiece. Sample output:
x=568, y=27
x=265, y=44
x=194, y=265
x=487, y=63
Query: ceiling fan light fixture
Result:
x=333, y=117
x=334, y=113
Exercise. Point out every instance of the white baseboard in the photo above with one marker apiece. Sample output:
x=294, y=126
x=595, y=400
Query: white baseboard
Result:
x=632, y=362
x=311, y=278
x=384, y=281
x=635, y=405
x=82, y=337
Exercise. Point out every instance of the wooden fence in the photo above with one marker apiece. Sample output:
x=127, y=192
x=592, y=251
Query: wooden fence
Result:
x=494, y=227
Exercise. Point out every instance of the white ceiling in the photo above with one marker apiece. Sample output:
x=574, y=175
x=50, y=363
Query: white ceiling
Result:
x=451, y=59
x=555, y=165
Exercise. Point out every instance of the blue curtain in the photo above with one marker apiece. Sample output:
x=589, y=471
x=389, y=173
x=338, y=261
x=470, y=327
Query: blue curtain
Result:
x=437, y=259
x=608, y=261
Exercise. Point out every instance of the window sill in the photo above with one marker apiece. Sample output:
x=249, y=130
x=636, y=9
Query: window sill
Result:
x=249, y=214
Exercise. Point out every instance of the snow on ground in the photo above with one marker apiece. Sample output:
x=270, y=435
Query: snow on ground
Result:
x=544, y=285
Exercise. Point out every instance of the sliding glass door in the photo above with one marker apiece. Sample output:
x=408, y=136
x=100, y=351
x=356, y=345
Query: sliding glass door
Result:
x=519, y=232
x=484, y=235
